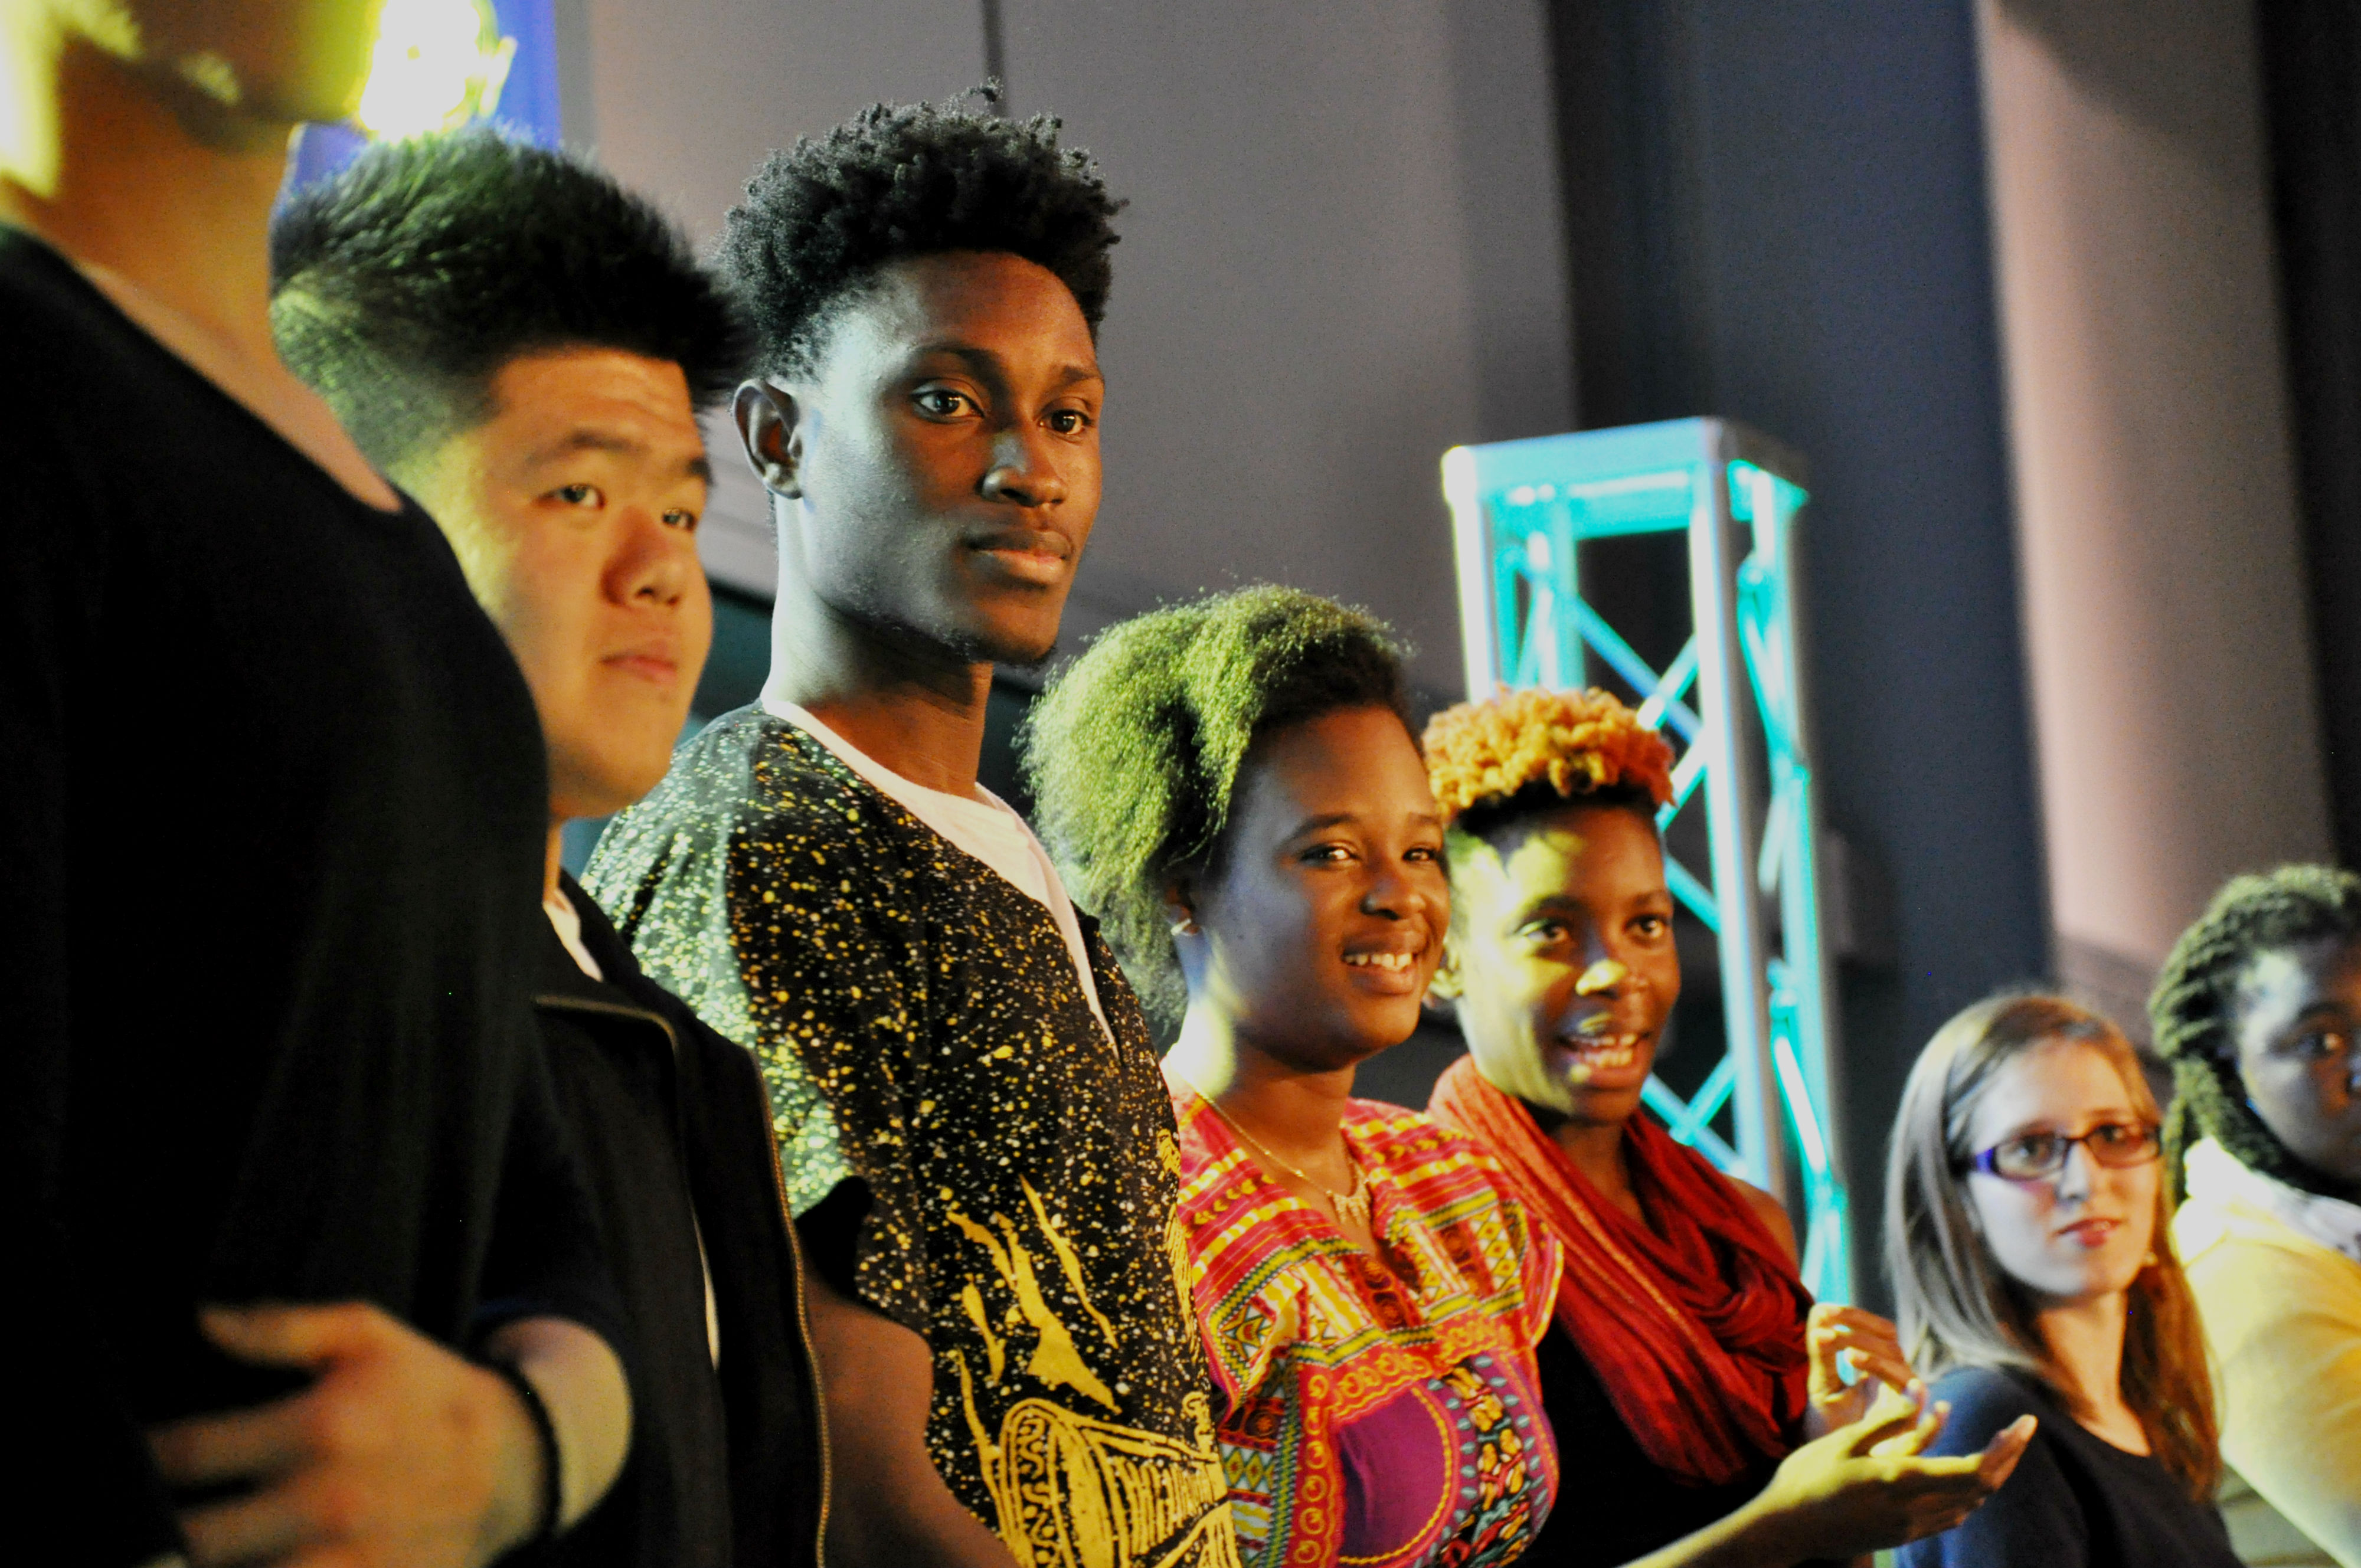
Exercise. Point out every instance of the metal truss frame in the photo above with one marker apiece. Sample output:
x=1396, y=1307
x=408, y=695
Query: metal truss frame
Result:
x=1519, y=512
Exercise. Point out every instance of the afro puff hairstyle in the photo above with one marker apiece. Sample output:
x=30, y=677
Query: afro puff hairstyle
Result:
x=901, y=181
x=2193, y=1010
x=402, y=286
x=1134, y=752
x=1534, y=750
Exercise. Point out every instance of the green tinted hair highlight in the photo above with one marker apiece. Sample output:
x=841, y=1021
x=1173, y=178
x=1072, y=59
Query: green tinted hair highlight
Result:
x=2193, y=1010
x=1134, y=752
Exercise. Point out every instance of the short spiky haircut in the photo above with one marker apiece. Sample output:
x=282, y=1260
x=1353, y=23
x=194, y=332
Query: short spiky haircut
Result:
x=903, y=181
x=2194, y=1011
x=402, y=286
x=1134, y=752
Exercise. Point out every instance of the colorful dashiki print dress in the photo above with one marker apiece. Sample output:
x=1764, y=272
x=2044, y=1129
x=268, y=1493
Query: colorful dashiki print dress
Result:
x=923, y=1032
x=1382, y=1414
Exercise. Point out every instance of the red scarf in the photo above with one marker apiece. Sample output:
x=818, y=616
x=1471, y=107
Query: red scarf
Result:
x=1697, y=1327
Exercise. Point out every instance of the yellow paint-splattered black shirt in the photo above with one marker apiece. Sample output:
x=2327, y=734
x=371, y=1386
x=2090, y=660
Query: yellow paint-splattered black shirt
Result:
x=923, y=1030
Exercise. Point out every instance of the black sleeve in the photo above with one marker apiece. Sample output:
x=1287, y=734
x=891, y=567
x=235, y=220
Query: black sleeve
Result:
x=77, y=1437
x=2035, y=1517
x=831, y=1232
x=546, y=1259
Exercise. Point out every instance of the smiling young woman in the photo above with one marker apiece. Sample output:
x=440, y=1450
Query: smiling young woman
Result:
x=1562, y=970
x=2025, y=1230
x=1685, y=1372
x=1233, y=787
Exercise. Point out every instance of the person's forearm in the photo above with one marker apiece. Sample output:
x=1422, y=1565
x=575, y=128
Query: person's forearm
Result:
x=871, y=1531
x=580, y=1379
x=1752, y=1537
x=888, y=1505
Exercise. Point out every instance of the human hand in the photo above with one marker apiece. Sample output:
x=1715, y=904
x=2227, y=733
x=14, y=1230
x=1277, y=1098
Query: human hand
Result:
x=402, y=1452
x=1867, y=1485
x=1841, y=1337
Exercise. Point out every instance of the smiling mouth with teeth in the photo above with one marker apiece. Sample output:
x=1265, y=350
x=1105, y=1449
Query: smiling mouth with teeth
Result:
x=1398, y=963
x=1594, y=1052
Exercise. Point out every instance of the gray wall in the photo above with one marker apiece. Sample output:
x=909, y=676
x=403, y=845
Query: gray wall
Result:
x=1785, y=222
x=2164, y=585
x=1342, y=255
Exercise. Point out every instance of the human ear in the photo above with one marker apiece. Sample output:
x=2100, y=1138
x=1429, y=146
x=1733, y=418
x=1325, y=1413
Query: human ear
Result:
x=770, y=429
x=1180, y=904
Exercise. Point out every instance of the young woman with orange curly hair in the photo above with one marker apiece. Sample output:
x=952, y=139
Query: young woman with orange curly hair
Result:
x=1685, y=1361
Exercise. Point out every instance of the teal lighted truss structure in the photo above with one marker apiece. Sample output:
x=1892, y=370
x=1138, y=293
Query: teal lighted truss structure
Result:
x=1732, y=702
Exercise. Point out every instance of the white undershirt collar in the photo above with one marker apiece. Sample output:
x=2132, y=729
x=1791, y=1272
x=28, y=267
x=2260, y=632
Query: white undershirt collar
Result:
x=984, y=826
x=2216, y=1175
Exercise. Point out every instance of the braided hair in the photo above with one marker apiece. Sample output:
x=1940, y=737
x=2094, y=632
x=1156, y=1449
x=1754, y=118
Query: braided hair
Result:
x=2194, y=1011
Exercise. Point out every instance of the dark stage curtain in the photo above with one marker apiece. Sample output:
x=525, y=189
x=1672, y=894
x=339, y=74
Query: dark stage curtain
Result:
x=2311, y=95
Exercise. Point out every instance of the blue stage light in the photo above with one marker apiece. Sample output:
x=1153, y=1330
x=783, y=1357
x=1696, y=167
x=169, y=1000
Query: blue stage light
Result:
x=1520, y=510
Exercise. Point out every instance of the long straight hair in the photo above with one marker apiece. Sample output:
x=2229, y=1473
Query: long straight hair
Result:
x=1958, y=1308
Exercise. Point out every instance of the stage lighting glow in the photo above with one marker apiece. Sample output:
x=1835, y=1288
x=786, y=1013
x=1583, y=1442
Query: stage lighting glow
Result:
x=1521, y=512
x=437, y=64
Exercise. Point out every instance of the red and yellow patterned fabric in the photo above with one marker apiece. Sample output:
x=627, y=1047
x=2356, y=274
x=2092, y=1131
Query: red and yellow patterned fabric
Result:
x=1382, y=1413
x=1694, y=1322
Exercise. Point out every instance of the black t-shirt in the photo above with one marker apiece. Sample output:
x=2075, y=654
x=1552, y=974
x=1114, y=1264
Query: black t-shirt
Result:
x=2075, y=1500
x=1614, y=1502
x=272, y=810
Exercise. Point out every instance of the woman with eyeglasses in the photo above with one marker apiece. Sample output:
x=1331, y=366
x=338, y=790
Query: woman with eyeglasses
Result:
x=2258, y=1011
x=2026, y=1232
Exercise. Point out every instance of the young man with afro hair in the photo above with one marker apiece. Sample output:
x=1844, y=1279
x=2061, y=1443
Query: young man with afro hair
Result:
x=977, y=1141
x=523, y=346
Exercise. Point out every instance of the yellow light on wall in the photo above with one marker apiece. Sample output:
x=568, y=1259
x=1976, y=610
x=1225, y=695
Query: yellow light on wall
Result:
x=437, y=64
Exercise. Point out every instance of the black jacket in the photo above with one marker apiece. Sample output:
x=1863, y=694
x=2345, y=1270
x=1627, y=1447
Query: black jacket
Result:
x=728, y=1465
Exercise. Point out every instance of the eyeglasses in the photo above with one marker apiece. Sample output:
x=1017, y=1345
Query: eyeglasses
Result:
x=2037, y=1155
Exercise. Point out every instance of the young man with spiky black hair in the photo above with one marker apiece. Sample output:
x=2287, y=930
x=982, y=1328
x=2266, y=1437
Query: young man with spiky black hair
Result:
x=979, y=1144
x=523, y=346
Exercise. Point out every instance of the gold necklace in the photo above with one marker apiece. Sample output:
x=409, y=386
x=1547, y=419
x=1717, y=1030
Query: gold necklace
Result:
x=1352, y=1206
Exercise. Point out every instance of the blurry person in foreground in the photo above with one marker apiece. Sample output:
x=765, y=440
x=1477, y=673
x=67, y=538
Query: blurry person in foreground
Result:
x=301, y=1268
x=1685, y=1371
x=524, y=346
x=2258, y=1010
x=2025, y=1232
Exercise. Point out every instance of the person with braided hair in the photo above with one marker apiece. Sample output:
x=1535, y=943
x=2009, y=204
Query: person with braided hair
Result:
x=1685, y=1369
x=2258, y=1012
